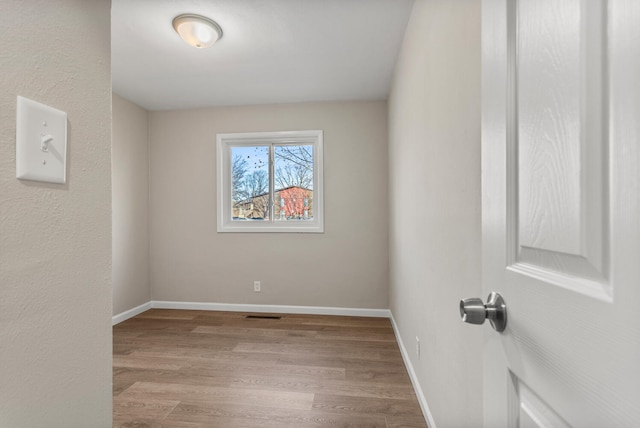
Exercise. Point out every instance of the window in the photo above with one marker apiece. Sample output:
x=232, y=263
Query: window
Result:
x=270, y=182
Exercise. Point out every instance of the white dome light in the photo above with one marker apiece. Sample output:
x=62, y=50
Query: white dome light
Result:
x=197, y=30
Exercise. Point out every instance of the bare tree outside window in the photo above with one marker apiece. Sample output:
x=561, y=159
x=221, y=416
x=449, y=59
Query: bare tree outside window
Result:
x=294, y=167
x=270, y=182
x=250, y=182
x=239, y=167
x=256, y=183
x=294, y=182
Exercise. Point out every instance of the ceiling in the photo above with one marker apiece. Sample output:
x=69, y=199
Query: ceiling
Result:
x=271, y=51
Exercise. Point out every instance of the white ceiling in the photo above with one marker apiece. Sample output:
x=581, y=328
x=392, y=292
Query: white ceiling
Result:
x=271, y=51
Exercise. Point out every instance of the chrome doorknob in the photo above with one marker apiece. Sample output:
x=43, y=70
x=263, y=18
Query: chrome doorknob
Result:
x=473, y=311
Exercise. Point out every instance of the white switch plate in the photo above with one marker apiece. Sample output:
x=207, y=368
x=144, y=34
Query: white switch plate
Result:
x=41, y=142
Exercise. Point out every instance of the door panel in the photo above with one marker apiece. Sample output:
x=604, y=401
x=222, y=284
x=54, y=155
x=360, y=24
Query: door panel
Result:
x=527, y=410
x=561, y=211
x=559, y=149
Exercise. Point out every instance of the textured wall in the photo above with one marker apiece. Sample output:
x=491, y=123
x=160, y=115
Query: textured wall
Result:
x=347, y=266
x=130, y=178
x=434, y=162
x=55, y=240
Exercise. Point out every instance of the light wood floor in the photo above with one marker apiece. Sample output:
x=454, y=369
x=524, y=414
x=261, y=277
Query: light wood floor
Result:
x=196, y=369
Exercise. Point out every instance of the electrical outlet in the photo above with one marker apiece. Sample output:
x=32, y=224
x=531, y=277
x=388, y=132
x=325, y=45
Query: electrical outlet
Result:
x=256, y=286
x=417, y=347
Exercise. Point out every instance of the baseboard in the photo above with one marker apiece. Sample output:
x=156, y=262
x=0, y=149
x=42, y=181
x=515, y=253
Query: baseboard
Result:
x=278, y=309
x=412, y=375
x=123, y=316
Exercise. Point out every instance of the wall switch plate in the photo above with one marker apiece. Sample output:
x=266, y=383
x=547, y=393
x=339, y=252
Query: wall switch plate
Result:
x=41, y=142
x=418, y=347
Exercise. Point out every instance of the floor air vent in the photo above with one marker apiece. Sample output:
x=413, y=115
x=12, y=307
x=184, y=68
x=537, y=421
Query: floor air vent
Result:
x=262, y=317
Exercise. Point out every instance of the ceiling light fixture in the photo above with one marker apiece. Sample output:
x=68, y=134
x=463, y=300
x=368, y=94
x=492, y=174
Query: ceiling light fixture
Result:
x=197, y=30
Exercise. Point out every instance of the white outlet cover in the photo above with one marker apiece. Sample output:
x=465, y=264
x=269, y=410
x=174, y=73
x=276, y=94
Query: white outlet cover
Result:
x=41, y=142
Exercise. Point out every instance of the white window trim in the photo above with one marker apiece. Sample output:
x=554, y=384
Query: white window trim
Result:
x=224, y=143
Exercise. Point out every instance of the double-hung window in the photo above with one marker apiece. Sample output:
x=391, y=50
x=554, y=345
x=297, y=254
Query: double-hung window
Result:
x=270, y=182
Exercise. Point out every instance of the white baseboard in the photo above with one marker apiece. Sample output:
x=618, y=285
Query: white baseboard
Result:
x=232, y=307
x=412, y=375
x=277, y=309
x=123, y=316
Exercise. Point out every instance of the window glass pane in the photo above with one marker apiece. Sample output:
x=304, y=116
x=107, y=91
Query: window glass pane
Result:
x=293, y=182
x=250, y=183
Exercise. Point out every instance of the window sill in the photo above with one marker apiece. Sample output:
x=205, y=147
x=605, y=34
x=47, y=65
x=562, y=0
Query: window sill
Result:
x=250, y=227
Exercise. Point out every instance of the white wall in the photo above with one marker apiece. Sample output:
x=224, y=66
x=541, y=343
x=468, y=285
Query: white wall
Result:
x=130, y=205
x=434, y=188
x=347, y=266
x=55, y=240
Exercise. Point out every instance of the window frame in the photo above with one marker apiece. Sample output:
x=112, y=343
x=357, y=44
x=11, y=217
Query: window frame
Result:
x=224, y=143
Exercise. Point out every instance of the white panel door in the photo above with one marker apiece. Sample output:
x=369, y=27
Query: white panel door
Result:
x=561, y=211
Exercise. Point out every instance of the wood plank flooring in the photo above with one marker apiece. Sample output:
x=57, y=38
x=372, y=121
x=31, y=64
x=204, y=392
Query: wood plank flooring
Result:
x=197, y=369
